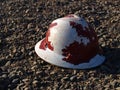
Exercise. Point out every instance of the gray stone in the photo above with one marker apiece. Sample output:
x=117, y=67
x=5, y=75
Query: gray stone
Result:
x=15, y=81
x=8, y=63
x=73, y=78
x=35, y=82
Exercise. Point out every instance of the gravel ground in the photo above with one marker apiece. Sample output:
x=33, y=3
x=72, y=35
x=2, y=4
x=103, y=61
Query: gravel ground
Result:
x=24, y=22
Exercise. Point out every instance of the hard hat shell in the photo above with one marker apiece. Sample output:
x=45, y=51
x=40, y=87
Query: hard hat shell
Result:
x=70, y=42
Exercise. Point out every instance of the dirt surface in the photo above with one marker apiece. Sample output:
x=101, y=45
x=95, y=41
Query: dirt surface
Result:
x=24, y=22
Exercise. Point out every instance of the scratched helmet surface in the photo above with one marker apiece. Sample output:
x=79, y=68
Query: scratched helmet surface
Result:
x=70, y=42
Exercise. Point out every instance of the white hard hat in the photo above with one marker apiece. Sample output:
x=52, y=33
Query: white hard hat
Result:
x=70, y=42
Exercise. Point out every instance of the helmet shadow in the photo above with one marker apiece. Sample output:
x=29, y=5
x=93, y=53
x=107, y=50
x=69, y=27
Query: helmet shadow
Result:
x=112, y=63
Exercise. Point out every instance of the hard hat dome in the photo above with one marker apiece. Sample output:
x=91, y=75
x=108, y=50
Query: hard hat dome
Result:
x=70, y=42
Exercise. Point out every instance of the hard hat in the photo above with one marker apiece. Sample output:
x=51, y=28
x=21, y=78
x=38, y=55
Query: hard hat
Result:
x=70, y=42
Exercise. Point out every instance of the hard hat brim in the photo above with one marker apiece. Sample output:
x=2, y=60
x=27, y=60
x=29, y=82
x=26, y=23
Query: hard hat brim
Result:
x=56, y=59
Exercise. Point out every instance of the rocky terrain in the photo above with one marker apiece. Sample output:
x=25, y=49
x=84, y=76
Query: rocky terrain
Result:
x=24, y=22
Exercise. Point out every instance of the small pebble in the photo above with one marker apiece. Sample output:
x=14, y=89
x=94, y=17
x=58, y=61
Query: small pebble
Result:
x=73, y=78
x=15, y=81
x=118, y=88
x=4, y=76
x=25, y=80
x=64, y=78
x=35, y=82
x=8, y=63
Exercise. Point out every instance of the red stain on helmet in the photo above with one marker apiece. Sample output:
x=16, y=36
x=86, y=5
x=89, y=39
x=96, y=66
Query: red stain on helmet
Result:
x=46, y=43
x=43, y=44
x=86, y=32
x=77, y=53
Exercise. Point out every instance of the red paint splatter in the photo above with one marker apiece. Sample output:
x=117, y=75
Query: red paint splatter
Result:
x=46, y=43
x=43, y=44
x=77, y=53
x=88, y=32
